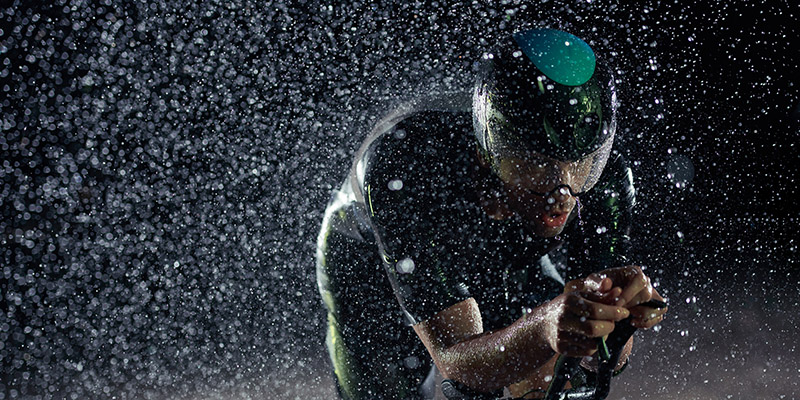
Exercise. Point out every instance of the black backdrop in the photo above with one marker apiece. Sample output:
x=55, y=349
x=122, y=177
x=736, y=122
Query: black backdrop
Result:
x=165, y=166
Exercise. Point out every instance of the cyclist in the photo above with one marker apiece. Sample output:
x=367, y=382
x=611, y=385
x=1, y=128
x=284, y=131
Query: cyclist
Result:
x=480, y=241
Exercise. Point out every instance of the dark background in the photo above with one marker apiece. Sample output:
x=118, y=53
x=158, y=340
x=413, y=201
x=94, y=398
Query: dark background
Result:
x=165, y=166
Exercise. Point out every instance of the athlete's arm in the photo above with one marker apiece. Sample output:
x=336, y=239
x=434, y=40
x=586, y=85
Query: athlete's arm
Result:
x=485, y=361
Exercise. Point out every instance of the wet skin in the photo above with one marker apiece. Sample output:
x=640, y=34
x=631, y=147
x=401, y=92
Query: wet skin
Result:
x=531, y=193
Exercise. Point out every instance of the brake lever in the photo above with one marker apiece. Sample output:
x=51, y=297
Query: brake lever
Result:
x=609, y=352
x=602, y=347
x=616, y=341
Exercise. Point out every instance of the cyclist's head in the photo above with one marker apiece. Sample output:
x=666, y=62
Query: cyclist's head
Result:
x=544, y=112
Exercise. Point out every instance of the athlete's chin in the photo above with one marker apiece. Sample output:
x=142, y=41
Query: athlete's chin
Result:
x=543, y=230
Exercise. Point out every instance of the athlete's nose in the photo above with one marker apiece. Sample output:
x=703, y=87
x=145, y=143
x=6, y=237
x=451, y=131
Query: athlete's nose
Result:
x=560, y=192
x=558, y=197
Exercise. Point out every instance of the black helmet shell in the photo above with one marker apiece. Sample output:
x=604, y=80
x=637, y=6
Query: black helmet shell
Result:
x=544, y=91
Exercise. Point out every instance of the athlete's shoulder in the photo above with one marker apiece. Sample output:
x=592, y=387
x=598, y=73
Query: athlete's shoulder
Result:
x=424, y=118
x=412, y=131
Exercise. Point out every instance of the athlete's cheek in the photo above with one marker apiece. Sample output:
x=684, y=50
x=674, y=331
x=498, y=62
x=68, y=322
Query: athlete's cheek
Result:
x=529, y=207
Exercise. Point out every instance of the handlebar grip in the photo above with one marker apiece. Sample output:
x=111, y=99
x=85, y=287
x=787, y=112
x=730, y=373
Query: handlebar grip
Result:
x=653, y=303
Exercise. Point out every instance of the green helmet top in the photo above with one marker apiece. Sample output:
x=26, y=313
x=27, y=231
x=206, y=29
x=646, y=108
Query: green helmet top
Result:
x=560, y=56
x=544, y=91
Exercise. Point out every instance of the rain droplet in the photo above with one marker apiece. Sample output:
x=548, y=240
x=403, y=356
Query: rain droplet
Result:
x=405, y=266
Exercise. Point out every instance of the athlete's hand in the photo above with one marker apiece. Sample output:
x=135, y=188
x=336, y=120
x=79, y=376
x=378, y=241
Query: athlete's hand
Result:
x=633, y=288
x=577, y=318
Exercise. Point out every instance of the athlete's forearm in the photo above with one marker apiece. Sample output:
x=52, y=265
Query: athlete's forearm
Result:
x=497, y=359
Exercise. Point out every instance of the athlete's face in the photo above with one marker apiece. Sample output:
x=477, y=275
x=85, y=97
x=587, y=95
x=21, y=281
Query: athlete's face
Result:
x=544, y=208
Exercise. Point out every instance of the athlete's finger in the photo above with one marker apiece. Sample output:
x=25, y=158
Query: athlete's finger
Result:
x=647, y=317
x=648, y=322
x=575, y=318
x=642, y=297
x=592, y=283
x=592, y=295
x=644, y=312
x=590, y=328
x=588, y=309
x=610, y=297
x=636, y=281
x=605, y=312
x=598, y=283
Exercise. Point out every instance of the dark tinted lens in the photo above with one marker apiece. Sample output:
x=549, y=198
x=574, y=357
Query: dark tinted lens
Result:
x=586, y=131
